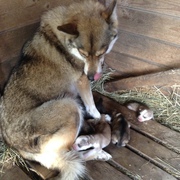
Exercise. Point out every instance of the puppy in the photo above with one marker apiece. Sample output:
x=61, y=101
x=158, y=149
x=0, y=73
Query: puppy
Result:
x=144, y=113
x=97, y=141
x=120, y=130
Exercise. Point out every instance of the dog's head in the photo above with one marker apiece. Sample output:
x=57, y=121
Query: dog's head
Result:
x=92, y=31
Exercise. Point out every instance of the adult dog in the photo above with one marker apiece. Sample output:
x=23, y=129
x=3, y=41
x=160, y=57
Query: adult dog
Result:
x=40, y=115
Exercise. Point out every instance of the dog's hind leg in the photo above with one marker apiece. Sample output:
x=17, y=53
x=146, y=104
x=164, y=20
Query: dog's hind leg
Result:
x=58, y=123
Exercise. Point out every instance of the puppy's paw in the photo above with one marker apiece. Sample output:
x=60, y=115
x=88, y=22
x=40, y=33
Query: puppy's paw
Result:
x=103, y=156
x=107, y=118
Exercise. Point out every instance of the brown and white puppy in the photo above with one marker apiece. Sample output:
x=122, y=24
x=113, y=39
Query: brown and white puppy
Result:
x=120, y=130
x=96, y=141
x=144, y=113
x=39, y=113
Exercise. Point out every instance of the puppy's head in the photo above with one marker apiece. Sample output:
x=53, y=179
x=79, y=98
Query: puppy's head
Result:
x=145, y=115
x=81, y=143
x=92, y=33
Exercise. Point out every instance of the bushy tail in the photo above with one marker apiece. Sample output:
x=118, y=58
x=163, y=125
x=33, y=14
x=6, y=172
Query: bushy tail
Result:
x=73, y=168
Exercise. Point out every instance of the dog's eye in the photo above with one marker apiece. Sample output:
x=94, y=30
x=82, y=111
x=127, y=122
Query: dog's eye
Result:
x=83, y=53
x=101, y=52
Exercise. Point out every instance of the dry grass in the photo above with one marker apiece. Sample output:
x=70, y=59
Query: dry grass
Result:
x=166, y=106
x=9, y=157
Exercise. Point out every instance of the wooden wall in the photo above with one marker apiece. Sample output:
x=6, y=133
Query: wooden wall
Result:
x=149, y=34
x=149, y=37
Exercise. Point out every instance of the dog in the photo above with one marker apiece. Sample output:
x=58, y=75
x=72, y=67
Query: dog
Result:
x=120, y=130
x=40, y=115
x=97, y=141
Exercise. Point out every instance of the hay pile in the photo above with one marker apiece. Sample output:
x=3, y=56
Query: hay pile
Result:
x=166, y=107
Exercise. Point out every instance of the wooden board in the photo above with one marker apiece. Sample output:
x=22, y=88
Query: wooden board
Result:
x=15, y=14
x=166, y=78
x=137, y=164
x=15, y=173
x=150, y=50
x=101, y=170
x=156, y=26
x=12, y=41
x=126, y=65
x=166, y=7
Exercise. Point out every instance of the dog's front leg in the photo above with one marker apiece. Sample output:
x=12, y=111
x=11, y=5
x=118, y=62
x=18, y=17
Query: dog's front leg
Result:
x=85, y=92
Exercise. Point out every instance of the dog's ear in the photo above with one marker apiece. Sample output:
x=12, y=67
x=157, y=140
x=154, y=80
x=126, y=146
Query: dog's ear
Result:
x=70, y=28
x=110, y=14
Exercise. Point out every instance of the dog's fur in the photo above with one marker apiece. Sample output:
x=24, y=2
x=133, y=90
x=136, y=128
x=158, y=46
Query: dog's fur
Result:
x=120, y=130
x=97, y=141
x=40, y=115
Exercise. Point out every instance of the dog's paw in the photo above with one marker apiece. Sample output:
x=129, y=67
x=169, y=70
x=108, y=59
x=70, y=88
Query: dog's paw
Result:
x=94, y=112
x=103, y=156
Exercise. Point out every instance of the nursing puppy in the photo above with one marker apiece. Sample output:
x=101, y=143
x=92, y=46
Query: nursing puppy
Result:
x=39, y=113
x=120, y=130
x=96, y=141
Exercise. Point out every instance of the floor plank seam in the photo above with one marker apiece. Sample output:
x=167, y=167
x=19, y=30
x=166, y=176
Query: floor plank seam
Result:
x=159, y=141
x=123, y=170
x=169, y=169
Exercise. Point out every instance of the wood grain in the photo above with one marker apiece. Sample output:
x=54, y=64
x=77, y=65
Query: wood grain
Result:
x=126, y=65
x=15, y=173
x=12, y=41
x=166, y=7
x=152, y=51
x=20, y=13
x=136, y=164
x=101, y=170
x=156, y=26
x=165, y=78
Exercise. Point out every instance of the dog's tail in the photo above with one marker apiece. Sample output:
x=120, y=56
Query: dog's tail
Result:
x=73, y=167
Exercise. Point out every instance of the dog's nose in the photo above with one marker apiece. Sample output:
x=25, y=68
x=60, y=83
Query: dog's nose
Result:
x=91, y=77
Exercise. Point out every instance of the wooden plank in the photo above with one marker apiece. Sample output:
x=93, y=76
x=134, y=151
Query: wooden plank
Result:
x=12, y=41
x=101, y=170
x=157, y=26
x=126, y=65
x=148, y=49
x=136, y=164
x=167, y=7
x=165, y=78
x=21, y=13
x=155, y=151
x=161, y=132
x=15, y=173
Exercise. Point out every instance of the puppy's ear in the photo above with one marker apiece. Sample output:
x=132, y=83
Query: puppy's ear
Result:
x=110, y=14
x=70, y=28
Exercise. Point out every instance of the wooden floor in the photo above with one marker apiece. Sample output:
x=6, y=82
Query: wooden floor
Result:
x=147, y=53
x=152, y=153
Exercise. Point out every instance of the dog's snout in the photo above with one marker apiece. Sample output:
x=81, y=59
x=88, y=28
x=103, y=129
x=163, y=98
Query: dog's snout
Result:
x=91, y=77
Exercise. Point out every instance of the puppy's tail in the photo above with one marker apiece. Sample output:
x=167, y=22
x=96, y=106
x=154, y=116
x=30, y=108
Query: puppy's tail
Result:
x=72, y=166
